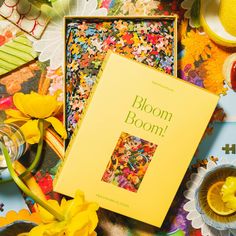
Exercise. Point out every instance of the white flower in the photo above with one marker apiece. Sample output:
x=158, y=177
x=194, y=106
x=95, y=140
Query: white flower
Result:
x=51, y=44
x=193, y=215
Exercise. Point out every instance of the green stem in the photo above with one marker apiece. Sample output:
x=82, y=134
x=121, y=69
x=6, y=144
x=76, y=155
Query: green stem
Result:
x=38, y=153
x=24, y=188
x=37, y=156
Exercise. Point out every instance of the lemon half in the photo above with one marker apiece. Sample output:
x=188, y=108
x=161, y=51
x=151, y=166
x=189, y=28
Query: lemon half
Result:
x=210, y=20
x=228, y=15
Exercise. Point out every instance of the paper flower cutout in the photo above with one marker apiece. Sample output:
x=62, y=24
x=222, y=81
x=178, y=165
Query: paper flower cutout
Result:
x=193, y=215
x=23, y=214
x=51, y=44
x=32, y=107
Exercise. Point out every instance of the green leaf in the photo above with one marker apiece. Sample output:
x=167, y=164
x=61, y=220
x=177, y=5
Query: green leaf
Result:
x=195, y=13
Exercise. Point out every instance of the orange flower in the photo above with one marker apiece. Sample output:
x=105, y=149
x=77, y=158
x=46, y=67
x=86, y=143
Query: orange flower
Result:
x=182, y=32
x=214, y=80
x=202, y=51
x=23, y=214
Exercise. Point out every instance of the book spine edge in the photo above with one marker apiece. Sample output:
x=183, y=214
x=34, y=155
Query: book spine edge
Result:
x=73, y=137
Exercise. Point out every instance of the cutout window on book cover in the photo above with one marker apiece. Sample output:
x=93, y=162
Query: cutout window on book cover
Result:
x=129, y=162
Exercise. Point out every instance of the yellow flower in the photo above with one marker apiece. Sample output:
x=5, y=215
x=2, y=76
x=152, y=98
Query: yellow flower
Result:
x=80, y=218
x=32, y=107
x=229, y=192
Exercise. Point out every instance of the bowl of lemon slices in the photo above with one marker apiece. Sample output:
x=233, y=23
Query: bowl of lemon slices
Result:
x=216, y=197
x=218, y=19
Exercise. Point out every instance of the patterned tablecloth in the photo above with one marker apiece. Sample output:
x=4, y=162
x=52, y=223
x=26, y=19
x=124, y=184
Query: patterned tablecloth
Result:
x=200, y=61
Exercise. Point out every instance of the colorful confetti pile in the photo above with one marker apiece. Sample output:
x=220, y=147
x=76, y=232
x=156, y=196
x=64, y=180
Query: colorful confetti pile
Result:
x=150, y=41
x=129, y=162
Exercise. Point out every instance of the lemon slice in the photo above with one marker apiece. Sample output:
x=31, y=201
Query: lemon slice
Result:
x=210, y=20
x=215, y=201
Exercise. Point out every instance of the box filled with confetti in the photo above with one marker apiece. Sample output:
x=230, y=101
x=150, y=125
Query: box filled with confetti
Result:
x=150, y=40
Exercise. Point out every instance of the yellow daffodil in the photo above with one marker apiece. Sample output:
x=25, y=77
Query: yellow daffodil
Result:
x=80, y=218
x=74, y=217
x=229, y=192
x=32, y=107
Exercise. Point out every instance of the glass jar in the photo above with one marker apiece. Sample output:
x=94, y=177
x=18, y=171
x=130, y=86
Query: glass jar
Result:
x=13, y=139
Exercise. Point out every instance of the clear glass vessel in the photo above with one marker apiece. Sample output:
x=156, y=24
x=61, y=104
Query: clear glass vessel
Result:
x=13, y=139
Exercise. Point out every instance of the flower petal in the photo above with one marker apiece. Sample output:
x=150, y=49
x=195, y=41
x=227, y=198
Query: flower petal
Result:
x=48, y=49
x=211, y=164
x=205, y=229
x=31, y=131
x=79, y=7
x=80, y=232
x=61, y=7
x=92, y=206
x=100, y=12
x=189, y=194
x=197, y=222
x=93, y=234
x=189, y=206
x=79, y=222
x=196, y=178
x=17, y=115
x=57, y=125
x=90, y=7
x=57, y=229
x=192, y=215
x=45, y=215
x=40, y=229
x=93, y=221
x=56, y=58
x=11, y=120
x=36, y=105
x=17, y=99
x=74, y=206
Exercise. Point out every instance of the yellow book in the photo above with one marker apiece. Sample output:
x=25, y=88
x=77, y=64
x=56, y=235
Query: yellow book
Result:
x=135, y=140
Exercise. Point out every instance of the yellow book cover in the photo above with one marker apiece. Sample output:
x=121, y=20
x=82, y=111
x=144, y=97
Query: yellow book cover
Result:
x=135, y=140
